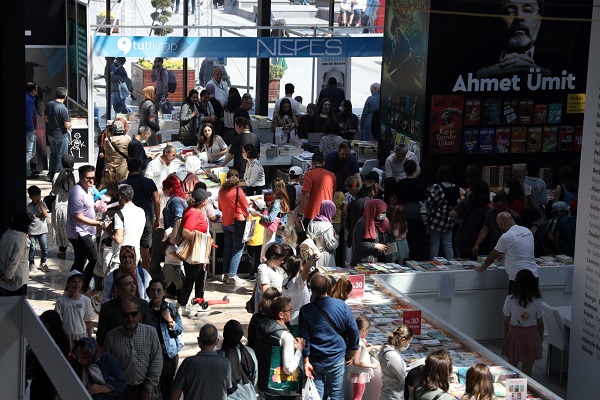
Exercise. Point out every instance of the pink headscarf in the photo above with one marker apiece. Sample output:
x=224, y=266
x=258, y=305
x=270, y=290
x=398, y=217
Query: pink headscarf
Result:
x=327, y=211
x=372, y=209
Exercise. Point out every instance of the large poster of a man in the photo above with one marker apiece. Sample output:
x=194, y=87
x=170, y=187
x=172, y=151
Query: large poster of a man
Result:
x=519, y=52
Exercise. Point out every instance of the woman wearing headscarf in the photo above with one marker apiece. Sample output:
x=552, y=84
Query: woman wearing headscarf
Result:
x=115, y=148
x=188, y=174
x=309, y=122
x=148, y=114
x=127, y=265
x=243, y=362
x=320, y=230
x=63, y=183
x=99, y=372
x=372, y=234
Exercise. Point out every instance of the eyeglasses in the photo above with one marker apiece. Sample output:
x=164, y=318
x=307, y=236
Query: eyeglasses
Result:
x=89, y=178
x=132, y=314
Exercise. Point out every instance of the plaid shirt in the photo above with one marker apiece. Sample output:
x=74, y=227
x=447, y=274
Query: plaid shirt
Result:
x=438, y=209
x=140, y=355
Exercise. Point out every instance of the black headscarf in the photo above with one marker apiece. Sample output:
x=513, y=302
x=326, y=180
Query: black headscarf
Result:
x=66, y=179
x=242, y=368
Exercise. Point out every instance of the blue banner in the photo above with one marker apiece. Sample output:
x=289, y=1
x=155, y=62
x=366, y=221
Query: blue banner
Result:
x=243, y=47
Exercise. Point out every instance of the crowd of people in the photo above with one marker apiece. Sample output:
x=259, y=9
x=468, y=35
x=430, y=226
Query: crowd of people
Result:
x=129, y=218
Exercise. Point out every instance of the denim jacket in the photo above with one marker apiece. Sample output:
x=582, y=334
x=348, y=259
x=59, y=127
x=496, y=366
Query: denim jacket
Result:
x=274, y=212
x=173, y=210
x=171, y=336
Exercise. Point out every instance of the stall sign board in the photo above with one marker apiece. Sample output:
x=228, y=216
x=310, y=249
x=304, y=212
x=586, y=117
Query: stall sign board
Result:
x=358, y=286
x=412, y=318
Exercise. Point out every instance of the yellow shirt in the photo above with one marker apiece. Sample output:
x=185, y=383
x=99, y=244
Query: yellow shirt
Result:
x=259, y=232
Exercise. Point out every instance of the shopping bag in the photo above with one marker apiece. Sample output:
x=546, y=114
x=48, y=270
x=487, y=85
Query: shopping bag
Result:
x=123, y=91
x=280, y=383
x=197, y=250
x=272, y=226
x=310, y=391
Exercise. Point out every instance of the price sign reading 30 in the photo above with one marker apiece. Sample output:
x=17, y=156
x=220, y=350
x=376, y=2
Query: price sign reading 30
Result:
x=358, y=286
x=412, y=318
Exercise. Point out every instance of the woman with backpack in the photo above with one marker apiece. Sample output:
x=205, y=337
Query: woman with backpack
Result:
x=148, y=113
x=443, y=197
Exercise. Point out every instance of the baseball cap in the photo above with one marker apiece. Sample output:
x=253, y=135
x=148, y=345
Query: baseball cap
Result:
x=74, y=274
x=295, y=171
x=560, y=206
x=200, y=195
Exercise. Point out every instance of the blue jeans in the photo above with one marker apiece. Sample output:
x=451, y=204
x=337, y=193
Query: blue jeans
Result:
x=30, y=140
x=330, y=381
x=42, y=240
x=445, y=238
x=58, y=148
x=232, y=250
x=118, y=103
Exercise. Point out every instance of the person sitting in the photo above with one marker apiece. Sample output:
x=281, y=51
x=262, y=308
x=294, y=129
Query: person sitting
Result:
x=309, y=123
x=347, y=120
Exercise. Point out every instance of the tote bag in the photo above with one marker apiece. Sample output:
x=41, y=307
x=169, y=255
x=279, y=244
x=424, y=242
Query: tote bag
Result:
x=280, y=383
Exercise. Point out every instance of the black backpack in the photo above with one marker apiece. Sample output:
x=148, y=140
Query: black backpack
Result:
x=172, y=82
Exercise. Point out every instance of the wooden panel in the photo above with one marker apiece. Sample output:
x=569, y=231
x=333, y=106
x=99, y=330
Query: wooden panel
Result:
x=142, y=77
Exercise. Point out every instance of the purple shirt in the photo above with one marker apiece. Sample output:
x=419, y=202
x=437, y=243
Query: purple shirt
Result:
x=80, y=201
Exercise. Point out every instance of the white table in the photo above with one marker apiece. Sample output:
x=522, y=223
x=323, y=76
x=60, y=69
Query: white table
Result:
x=565, y=313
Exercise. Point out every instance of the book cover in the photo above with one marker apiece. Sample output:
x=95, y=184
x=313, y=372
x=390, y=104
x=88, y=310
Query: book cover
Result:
x=540, y=114
x=446, y=124
x=486, y=141
x=577, y=138
x=491, y=111
x=509, y=111
x=472, y=112
x=518, y=139
x=565, y=138
x=525, y=112
x=502, y=140
x=554, y=113
x=534, y=139
x=549, y=139
x=471, y=141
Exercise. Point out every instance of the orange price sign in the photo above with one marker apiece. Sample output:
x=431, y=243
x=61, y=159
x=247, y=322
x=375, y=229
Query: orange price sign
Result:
x=358, y=286
x=412, y=318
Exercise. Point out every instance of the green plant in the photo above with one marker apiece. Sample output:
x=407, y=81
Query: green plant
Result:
x=161, y=16
x=275, y=71
x=102, y=14
x=176, y=63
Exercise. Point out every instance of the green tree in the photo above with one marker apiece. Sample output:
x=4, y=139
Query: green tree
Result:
x=160, y=16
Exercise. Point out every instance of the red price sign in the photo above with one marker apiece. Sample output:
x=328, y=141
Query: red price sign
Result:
x=412, y=318
x=358, y=286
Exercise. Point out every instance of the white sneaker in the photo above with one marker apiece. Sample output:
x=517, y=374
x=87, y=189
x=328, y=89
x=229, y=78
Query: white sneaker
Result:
x=96, y=302
x=198, y=308
x=32, y=267
x=188, y=311
x=236, y=280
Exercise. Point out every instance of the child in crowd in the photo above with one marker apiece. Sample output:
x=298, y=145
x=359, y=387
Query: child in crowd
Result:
x=172, y=267
x=361, y=371
x=349, y=197
x=75, y=309
x=479, y=384
x=400, y=230
x=523, y=323
x=295, y=288
x=38, y=229
x=254, y=247
x=287, y=235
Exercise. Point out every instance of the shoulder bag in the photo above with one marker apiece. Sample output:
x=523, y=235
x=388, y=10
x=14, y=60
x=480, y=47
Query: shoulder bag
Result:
x=242, y=229
x=117, y=150
x=49, y=200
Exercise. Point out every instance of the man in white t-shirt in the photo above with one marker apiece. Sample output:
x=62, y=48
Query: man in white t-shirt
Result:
x=517, y=246
x=128, y=225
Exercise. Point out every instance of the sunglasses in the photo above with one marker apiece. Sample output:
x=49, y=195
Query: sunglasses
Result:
x=89, y=178
x=132, y=314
